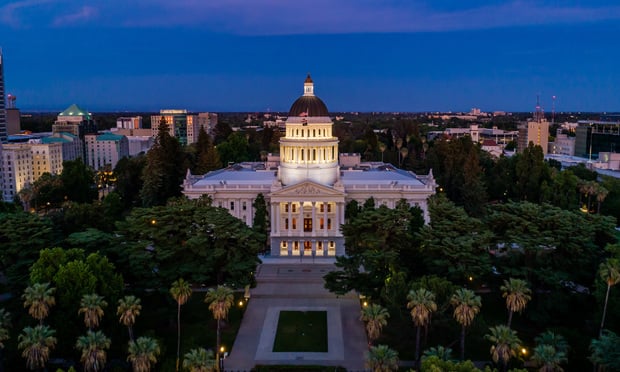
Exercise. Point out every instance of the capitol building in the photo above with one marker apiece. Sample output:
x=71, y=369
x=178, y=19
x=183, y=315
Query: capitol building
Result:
x=308, y=184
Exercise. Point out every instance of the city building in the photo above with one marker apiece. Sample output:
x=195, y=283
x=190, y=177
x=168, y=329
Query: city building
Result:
x=16, y=169
x=535, y=130
x=46, y=158
x=183, y=125
x=71, y=145
x=563, y=144
x=308, y=185
x=133, y=122
x=206, y=120
x=76, y=121
x=592, y=137
x=3, y=131
x=105, y=149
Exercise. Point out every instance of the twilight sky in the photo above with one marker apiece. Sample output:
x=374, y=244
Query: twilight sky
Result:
x=364, y=55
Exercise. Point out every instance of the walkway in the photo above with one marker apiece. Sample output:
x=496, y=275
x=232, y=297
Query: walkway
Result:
x=297, y=286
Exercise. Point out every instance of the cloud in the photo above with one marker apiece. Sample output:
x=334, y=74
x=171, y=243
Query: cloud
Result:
x=83, y=14
x=11, y=13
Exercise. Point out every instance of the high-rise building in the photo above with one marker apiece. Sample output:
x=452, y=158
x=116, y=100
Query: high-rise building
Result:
x=105, y=149
x=3, y=133
x=183, y=125
x=535, y=130
x=76, y=121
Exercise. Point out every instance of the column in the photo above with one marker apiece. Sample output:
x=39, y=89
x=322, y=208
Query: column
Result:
x=300, y=220
x=274, y=227
x=325, y=220
x=290, y=220
x=313, y=218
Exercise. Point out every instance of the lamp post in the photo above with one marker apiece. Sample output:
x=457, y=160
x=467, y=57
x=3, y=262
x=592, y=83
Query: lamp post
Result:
x=221, y=357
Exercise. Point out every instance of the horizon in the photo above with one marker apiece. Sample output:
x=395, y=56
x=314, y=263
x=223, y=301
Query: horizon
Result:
x=233, y=56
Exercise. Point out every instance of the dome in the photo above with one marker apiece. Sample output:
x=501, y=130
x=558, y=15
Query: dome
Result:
x=308, y=104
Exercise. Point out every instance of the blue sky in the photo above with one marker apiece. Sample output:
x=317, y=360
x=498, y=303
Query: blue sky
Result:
x=364, y=55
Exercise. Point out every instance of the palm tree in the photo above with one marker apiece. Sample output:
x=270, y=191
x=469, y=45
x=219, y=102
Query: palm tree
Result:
x=199, y=360
x=143, y=353
x=610, y=273
x=466, y=306
x=93, y=347
x=548, y=358
x=605, y=352
x=92, y=306
x=39, y=298
x=180, y=291
x=5, y=324
x=375, y=317
x=517, y=295
x=506, y=344
x=556, y=340
x=37, y=343
x=220, y=300
x=381, y=359
x=382, y=148
x=442, y=353
x=601, y=194
x=422, y=305
x=128, y=308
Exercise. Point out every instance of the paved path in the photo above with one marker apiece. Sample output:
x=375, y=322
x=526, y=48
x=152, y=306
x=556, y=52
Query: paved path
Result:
x=297, y=286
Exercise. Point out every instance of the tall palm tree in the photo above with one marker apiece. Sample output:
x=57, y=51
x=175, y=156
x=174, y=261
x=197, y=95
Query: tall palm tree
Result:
x=38, y=298
x=548, y=358
x=554, y=339
x=93, y=347
x=181, y=292
x=143, y=353
x=605, y=352
x=517, y=295
x=381, y=359
x=466, y=305
x=422, y=305
x=375, y=317
x=610, y=273
x=199, y=360
x=128, y=309
x=92, y=306
x=443, y=353
x=5, y=324
x=220, y=300
x=506, y=344
x=37, y=343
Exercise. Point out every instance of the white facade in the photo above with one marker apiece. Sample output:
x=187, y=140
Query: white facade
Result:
x=306, y=187
x=129, y=122
x=46, y=158
x=16, y=169
x=105, y=149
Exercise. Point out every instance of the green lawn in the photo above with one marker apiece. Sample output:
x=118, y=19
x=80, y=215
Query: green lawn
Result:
x=301, y=331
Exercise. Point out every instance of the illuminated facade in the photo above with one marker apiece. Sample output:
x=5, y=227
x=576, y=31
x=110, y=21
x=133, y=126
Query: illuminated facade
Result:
x=308, y=185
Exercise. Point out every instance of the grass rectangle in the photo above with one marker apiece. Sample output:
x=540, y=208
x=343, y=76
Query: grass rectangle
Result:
x=301, y=331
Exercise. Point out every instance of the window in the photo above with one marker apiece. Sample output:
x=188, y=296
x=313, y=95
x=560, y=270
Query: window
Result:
x=286, y=207
x=286, y=224
x=321, y=224
x=294, y=208
x=244, y=206
x=232, y=205
x=294, y=223
x=322, y=207
x=329, y=224
x=329, y=208
x=307, y=224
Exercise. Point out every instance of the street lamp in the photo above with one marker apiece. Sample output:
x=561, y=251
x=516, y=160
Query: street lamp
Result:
x=222, y=356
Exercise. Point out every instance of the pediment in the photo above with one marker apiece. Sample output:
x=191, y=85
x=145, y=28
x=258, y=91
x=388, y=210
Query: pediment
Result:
x=308, y=188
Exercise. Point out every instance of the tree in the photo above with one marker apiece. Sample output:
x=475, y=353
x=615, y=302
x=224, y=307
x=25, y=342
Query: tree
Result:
x=548, y=358
x=5, y=324
x=78, y=180
x=129, y=180
x=38, y=298
x=605, y=351
x=610, y=273
x=443, y=353
x=422, y=304
x=36, y=343
x=517, y=295
x=466, y=305
x=261, y=220
x=207, y=157
x=220, y=300
x=530, y=171
x=181, y=292
x=505, y=344
x=92, y=307
x=553, y=339
x=381, y=359
x=143, y=354
x=93, y=347
x=128, y=309
x=199, y=360
x=164, y=170
x=375, y=316
x=46, y=192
